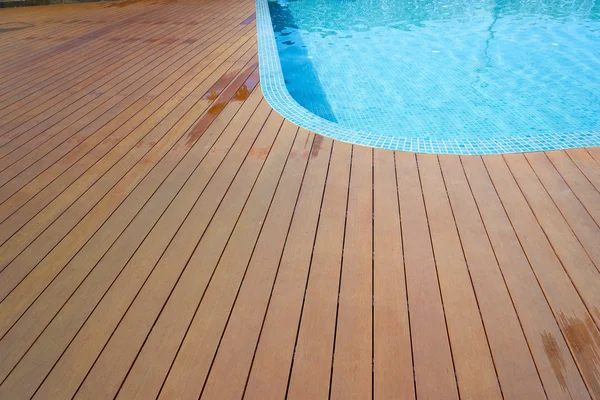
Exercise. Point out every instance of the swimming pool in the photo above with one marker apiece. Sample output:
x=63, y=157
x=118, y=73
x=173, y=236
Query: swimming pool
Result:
x=453, y=77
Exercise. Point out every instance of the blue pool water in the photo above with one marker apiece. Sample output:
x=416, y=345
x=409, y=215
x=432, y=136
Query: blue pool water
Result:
x=449, y=76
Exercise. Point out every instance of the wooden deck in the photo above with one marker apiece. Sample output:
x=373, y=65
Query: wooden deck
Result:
x=164, y=233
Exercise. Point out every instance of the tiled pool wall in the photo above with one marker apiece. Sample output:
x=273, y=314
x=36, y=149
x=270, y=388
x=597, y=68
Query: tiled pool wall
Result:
x=278, y=96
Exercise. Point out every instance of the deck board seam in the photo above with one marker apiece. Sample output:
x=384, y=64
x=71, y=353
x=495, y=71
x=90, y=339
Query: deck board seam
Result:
x=435, y=264
x=529, y=262
x=116, y=183
x=132, y=219
x=547, y=238
x=410, y=330
x=140, y=111
x=216, y=350
x=308, y=274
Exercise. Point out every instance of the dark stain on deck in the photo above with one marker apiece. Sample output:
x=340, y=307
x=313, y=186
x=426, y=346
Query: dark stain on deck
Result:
x=125, y=3
x=93, y=35
x=584, y=339
x=317, y=144
x=247, y=87
x=221, y=97
x=220, y=85
x=249, y=19
x=259, y=152
x=13, y=26
x=556, y=359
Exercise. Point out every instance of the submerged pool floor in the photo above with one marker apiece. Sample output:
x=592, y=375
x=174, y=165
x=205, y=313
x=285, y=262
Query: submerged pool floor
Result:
x=437, y=76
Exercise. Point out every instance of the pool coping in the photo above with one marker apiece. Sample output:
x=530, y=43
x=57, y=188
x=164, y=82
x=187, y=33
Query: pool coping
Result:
x=277, y=95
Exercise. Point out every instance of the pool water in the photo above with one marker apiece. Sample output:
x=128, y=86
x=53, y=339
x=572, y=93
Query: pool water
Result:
x=445, y=72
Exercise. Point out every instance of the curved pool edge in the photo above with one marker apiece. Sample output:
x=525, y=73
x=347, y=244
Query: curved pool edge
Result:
x=278, y=97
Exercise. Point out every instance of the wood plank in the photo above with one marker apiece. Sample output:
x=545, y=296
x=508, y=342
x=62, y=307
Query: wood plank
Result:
x=166, y=282
x=167, y=132
x=99, y=326
x=569, y=250
x=311, y=367
x=103, y=137
x=34, y=283
x=231, y=365
x=275, y=349
x=44, y=359
x=142, y=267
x=587, y=165
x=475, y=370
x=50, y=112
x=193, y=360
x=75, y=89
x=58, y=123
x=434, y=369
x=71, y=19
x=570, y=307
x=393, y=376
x=595, y=153
x=114, y=78
x=31, y=22
x=552, y=356
x=577, y=217
x=13, y=87
x=14, y=202
x=48, y=76
x=74, y=54
x=511, y=351
x=580, y=185
x=37, y=34
x=508, y=266
x=80, y=42
x=158, y=103
x=12, y=76
x=353, y=351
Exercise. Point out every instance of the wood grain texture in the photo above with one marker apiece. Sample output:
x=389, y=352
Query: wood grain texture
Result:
x=164, y=233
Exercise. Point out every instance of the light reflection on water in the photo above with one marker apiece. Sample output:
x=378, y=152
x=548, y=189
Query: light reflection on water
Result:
x=435, y=69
